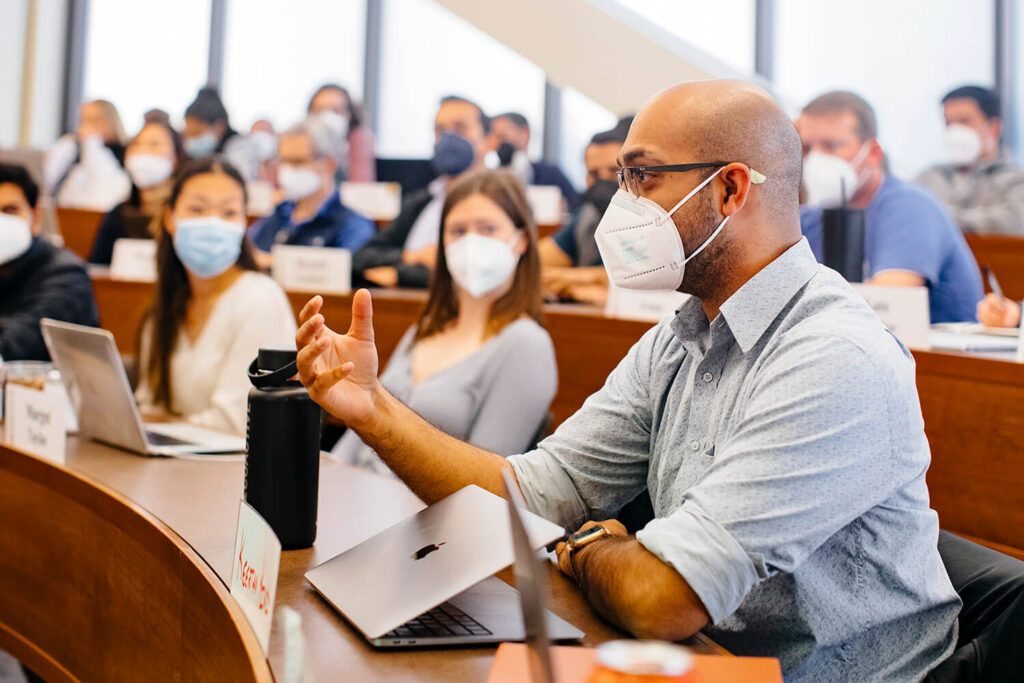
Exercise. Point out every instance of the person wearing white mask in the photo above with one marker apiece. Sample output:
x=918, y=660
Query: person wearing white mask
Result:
x=336, y=119
x=84, y=171
x=773, y=419
x=212, y=311
x=981, y=186
x=477, y=365
x=312, y=213
x=910, y=239
x=37, y=279
x=150, y=159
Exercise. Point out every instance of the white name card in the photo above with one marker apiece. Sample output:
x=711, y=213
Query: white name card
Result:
x=904, y=310
x=546, y=204
x=34, y=422
x=379, y=201
x=312, y=269
x=635, y=305
x=261, y=198
x=134, y=260
x=254, y=568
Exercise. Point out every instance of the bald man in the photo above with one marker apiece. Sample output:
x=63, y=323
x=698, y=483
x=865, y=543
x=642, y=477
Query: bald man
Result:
x=773, y=419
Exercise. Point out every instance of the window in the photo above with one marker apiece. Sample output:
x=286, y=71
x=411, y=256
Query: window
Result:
x=276, y=56
x=141, y=55
x=428, y=52
x=581, y=118
x=900, y=56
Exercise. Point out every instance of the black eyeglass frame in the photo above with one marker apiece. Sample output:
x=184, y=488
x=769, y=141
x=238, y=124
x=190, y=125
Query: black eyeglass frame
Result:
x=627, y=173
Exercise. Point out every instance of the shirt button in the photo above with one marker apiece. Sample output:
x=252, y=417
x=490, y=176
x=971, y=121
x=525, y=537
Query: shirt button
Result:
x=708, y=377
x=694, y=445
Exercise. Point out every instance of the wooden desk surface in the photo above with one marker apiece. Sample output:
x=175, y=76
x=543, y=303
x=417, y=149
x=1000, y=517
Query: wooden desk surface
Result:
x=199, y=500
x=973, y=405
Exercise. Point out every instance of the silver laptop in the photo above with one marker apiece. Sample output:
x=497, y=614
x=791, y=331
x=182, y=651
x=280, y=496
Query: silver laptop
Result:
x=429, y=580
x=94, y=376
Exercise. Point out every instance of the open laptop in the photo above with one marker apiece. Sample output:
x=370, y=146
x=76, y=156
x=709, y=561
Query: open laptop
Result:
x=94, y=376
x=429, y=580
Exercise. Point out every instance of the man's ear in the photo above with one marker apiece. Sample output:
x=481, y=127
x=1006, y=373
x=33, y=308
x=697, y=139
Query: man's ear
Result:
x=876, y=155
x=736, y=181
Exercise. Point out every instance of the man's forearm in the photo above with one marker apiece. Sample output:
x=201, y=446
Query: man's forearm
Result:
x=433, y=464
x=632, y=588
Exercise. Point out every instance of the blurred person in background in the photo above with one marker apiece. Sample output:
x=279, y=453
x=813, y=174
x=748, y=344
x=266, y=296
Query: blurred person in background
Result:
x=150, y=159
x=404, y=254
x=910, y=239
x=477, y=365
x=37, y=279
x=312, y=213
x=208, y=132
x=264, y=141
x=335, y=118
x=84, y=170
x=213, y=311
x=981, y=186
x=509, y=139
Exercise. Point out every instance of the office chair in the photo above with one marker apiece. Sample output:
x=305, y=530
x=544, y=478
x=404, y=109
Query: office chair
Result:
x=991, y=586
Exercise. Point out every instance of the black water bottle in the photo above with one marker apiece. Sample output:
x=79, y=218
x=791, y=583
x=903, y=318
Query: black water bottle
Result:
x=282, y=449
x=843, y=242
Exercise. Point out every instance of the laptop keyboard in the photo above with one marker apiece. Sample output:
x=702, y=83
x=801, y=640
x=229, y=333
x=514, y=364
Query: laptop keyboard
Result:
x=157, y=439
x=442, y=621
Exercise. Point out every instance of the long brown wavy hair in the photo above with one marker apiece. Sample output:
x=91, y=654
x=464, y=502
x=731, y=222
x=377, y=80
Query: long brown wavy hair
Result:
x=173, y=289
x=525, y=296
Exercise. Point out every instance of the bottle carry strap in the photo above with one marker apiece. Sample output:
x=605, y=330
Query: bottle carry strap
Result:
x=262, y=380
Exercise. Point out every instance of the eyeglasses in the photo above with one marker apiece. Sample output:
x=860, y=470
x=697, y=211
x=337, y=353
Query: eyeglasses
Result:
x=631, y=177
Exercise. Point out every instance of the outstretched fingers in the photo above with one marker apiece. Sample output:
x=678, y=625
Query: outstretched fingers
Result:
x=325, y=381
x=362, y=317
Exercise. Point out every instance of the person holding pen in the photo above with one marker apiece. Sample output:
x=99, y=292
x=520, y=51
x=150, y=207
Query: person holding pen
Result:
x=995, y=310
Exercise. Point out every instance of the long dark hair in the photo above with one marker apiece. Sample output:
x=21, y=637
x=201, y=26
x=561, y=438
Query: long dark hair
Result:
x=524, y=297
x=173, y=289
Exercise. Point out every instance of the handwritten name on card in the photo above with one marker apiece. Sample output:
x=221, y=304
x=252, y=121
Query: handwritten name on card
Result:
x=312, y=269
x=35, y=422
x=255, y=565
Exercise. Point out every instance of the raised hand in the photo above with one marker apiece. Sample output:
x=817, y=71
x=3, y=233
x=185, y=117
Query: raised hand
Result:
x=339, y=370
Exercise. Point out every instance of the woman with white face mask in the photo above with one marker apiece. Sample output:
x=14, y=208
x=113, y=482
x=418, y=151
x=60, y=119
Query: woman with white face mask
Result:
x=336, y=119
x=213, y=311
x=150, y=159
x=478, y=364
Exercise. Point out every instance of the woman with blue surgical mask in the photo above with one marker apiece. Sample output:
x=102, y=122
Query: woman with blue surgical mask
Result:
x=478, y=364
x=213, y=311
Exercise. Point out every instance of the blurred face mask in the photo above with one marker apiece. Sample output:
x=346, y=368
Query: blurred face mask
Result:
x=332, y=121
x=148, y=170
x=208, y=245
x=453, y=154
x=201, y=145
x=829, y=180
x=640, y=244
x=297, y=182
x=15, y=237
x=963, y=144
x=480, y=264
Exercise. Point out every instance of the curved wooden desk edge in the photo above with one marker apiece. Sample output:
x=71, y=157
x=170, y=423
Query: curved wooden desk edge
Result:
x=137, y=524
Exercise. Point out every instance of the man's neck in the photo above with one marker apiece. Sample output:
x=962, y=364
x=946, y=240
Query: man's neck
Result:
x=863, y=196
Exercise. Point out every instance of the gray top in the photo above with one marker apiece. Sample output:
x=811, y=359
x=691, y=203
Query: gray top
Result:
x=495, y=398
x=987, y=197
x=784, y=450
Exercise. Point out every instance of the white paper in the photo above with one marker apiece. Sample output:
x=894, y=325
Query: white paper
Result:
x=636, y=305
x=261, y=198
x=254, y=568
x=546, y=204
x=134, y=260
x=379, y=201
x=34, y=422
x=312, y=269
x=904, y=310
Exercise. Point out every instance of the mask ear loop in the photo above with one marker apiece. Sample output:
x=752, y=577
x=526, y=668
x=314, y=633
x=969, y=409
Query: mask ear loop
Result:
x=693, y=192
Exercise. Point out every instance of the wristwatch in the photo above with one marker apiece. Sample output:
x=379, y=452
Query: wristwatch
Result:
x=582, y=538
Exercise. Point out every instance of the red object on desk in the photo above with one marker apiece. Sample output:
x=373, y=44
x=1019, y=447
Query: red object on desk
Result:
x=575, y=664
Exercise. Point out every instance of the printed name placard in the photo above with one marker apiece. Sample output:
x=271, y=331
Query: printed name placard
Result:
x=546, y=204
x=634, y=305
x=254, y=568
x=134, y=260
x=312, y=269
x=34, y=422
x=379, y=201
x=904, y=310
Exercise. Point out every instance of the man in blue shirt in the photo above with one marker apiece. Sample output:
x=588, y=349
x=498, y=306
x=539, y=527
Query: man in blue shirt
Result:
x=312, y=213
x=910, y=239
